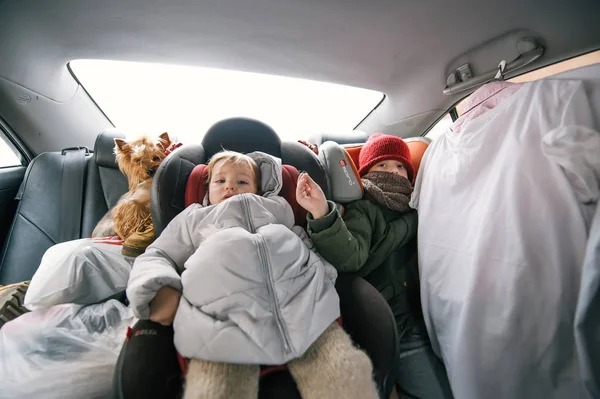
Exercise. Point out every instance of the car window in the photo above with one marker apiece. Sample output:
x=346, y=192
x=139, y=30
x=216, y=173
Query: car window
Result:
x=186, y=101
x=8, y=156
x=439, y=127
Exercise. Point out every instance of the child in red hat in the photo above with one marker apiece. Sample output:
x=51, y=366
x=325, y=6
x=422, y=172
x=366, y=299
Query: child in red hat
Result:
x=360, y=241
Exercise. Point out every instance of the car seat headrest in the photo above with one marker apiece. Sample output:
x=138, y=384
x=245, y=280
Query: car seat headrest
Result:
x=417, y=147
x=341, y=166
x=345, y=183
x=195, y=189
x=242, y=135
x=104, y=148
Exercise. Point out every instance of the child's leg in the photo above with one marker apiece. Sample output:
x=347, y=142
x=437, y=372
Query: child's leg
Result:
x=150, y=368
x=208, y=380
x=334, y=368
x=421, y=374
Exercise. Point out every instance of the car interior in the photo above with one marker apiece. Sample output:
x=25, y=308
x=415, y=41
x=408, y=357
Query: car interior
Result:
x=415, y=64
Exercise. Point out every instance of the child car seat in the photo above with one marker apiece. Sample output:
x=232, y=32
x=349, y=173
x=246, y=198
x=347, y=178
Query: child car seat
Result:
x=341, y=162
x=180, y=181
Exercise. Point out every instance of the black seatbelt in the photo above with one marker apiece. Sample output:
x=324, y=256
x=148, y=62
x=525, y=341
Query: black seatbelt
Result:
x=71, y=198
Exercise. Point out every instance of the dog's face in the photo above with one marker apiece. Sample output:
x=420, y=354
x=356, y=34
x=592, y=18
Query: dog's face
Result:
x=139, y=159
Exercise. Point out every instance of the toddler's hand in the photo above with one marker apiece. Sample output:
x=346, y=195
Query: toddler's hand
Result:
x=164, y=306
x=310, y=196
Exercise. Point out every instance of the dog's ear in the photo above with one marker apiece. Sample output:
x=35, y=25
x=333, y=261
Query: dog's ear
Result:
x=165, y=141
x=121, y=145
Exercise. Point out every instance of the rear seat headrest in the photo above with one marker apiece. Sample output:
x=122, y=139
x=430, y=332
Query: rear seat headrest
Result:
x=104, y=148
x=417, y=146
x=241, y=135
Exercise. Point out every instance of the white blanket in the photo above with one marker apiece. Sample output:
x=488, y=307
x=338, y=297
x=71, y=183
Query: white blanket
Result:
x=504, y=213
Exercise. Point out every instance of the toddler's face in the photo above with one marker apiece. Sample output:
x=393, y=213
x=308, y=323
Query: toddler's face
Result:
x=228, y=180
x=391, y=166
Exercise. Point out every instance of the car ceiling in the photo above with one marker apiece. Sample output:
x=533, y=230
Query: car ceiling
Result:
x=402, y=48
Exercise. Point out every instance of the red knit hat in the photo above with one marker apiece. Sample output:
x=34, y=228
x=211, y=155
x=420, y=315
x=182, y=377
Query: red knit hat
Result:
x=380, y=147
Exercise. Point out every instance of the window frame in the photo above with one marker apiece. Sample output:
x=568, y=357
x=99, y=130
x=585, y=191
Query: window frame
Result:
x=351, y=126
x=12, y=141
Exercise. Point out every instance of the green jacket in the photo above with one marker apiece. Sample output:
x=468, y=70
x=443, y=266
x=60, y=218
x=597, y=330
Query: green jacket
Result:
x=360, y=243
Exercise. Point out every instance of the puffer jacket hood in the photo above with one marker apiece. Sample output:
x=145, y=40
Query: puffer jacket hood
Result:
x=254, y=291
x=270, y=169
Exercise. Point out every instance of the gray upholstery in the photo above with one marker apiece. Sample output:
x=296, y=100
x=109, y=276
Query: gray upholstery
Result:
x=105, y=182
x=344, y=183
x=37, y=223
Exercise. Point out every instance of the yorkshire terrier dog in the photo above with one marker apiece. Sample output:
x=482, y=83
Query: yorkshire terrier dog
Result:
x=130, y=218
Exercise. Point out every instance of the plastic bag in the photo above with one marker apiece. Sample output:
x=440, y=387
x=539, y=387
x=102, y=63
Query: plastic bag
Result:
x=66, y=351
x=82, y=271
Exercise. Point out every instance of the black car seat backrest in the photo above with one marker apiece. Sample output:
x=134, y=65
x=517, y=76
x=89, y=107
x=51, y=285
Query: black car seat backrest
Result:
x=105, y=182
x=300, y=156
x=167, y=197
x=235, y=134
x=61, y=199
x=242, y=135
x=38, y=222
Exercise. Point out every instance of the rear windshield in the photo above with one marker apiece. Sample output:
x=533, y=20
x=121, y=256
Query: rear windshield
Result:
x=186, y=101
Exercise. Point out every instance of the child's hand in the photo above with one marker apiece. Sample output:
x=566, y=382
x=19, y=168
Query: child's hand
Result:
x=310, y=196
x=164, y=306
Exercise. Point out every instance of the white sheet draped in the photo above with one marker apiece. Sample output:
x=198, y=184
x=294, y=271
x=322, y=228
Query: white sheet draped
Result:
x=505, y=208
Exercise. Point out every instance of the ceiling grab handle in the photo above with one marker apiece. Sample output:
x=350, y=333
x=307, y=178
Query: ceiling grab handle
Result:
x=522, y=60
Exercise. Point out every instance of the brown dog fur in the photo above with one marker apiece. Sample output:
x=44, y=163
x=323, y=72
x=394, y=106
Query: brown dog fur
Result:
x=138, y=160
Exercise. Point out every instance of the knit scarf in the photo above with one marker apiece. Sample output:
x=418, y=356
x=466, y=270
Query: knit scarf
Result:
x=388, y=189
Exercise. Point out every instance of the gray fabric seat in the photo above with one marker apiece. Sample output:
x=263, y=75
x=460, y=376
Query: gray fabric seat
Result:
x=39, y=221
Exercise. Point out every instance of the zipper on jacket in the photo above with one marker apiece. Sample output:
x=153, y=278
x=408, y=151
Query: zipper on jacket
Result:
x=246, y=207
x=264, y=260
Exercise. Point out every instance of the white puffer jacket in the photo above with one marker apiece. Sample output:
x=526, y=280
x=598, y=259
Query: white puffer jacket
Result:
x=254, y=291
